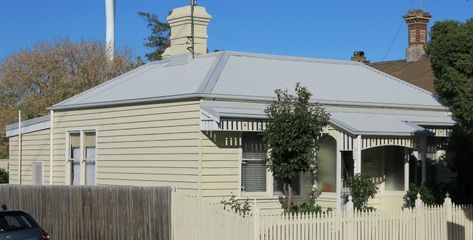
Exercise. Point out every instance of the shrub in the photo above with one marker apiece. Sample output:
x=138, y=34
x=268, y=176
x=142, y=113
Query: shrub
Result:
x=310, y=208
x=242, y=208
x=3, y=176
x=425, y=192
x=362, y=189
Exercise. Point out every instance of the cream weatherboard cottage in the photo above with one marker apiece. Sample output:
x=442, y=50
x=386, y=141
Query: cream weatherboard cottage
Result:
x=195, y=123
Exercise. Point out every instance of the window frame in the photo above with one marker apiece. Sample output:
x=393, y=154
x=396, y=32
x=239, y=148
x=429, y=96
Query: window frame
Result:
x=269, y=193
x=82, y=160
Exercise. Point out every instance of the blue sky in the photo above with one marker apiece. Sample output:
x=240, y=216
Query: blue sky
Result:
x=311, y=28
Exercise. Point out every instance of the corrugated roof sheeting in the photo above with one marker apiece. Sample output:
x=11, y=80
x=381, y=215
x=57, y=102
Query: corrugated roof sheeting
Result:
x=157, y=79
x=379, y=122
x=243, y=76
x=374, y=124
x=337, y=81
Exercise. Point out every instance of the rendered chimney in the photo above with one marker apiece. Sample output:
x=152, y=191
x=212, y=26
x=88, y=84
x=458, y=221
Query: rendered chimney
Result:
x=417, y=21
x=180, y=22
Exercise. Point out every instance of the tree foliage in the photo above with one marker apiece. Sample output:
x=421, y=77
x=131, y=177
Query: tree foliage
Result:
x=49, y=72
x=459, y=160
x=292, y=131
x=4, y=177
x=361, y=190
x=159, y=38
x=451, y=53
x=426, y=195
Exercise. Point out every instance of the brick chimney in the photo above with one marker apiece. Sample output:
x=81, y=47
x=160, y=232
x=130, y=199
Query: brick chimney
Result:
x=359, y=56
x=417, y=21
x=180, y=22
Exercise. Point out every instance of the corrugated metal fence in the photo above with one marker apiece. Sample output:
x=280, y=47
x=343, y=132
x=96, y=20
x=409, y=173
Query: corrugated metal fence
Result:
x=95, y=212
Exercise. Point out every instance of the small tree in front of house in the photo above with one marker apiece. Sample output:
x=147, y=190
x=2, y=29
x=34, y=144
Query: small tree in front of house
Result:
x=292, y=133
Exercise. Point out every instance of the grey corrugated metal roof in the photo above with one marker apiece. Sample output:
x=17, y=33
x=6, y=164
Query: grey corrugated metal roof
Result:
x=161, y=79
x=248, y=76
x=374, y=124
x=356, y=121
x=31, y=125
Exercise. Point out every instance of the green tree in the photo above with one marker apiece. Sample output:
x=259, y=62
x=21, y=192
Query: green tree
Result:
x=451, y=54
x=50, y=72
x=159, y=38
x=292, y=133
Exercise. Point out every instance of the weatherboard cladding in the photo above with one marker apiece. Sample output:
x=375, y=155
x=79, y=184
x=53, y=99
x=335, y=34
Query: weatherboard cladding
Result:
x=246, y=76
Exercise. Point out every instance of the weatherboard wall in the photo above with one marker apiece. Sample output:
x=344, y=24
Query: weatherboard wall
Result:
x=221, y=160
x=145, y=145
x=35, y=148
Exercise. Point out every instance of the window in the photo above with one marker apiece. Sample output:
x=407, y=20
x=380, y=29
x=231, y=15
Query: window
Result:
x=74, y=157
x=253, y=167
x=327, y=161
x=11, y=221
x=82, y=157
x=89, y=157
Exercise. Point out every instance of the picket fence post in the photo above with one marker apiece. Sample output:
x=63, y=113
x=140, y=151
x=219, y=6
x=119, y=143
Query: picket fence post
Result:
x=349, y=214
x=255, y=213
x=420, y=218
x=447, y=204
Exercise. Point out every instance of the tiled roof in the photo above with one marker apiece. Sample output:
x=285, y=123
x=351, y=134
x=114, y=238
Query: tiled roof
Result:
x=417, y=73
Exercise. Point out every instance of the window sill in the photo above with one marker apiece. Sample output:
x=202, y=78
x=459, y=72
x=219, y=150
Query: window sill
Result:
x=296, y=197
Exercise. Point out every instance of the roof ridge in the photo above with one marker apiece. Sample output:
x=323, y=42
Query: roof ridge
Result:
x=110, y=81
x=215, y=70
x=290, y=58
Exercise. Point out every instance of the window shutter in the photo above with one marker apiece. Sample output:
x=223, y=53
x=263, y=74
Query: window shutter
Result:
x=253, y=169
x=37, y=173
x=253, y=176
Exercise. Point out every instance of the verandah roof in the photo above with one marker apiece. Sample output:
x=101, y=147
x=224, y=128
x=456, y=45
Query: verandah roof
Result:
x=229, y=116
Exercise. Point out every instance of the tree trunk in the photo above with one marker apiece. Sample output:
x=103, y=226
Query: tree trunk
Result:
x=288, y=194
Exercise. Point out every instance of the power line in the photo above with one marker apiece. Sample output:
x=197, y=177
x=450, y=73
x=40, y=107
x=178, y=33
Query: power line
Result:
x=397, y=33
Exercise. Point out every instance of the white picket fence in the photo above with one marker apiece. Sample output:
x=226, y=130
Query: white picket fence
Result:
x=193, y=218
x=440, y=222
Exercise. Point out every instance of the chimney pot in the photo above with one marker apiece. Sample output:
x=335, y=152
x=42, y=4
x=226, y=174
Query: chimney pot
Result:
x=359, y=56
